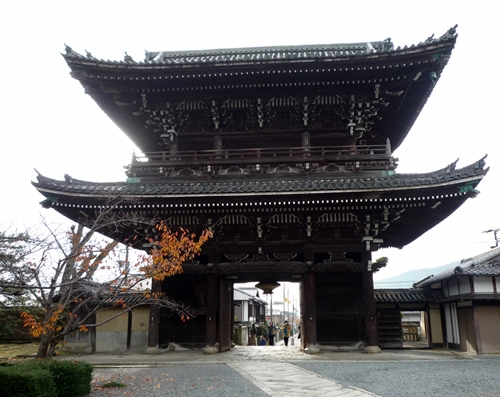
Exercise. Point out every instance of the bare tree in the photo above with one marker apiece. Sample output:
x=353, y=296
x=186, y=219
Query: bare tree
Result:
x=74, y=273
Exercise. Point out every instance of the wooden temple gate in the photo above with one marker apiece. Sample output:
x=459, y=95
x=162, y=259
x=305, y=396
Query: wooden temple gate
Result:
x=285, y=154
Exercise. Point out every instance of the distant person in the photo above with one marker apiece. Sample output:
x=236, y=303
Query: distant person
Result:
x=287, y=330
x=262, y=341
x=272, y=334
x=253, y=335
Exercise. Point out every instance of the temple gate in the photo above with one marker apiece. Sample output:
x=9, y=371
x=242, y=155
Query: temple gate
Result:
x=286, y=155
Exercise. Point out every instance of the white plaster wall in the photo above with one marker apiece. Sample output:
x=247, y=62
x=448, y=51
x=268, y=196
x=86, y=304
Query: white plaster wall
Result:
x=445, y=288
x=464, y=285
x=483, y=285
x=453, y=286
x=244, y=310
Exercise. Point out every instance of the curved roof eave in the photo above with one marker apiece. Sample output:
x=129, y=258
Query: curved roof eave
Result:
x=286, y=185
x=230, y=56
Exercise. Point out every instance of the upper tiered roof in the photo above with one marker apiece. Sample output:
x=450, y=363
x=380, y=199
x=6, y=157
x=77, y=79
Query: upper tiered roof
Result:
x=341, y=94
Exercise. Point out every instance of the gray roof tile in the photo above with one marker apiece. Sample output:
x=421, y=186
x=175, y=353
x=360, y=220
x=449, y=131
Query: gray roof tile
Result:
x=407, y=296
x=486, y=264
x=260, y=184
x=256, y=54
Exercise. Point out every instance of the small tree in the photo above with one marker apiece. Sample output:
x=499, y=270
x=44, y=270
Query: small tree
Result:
x=14, y=249
x=71, y=275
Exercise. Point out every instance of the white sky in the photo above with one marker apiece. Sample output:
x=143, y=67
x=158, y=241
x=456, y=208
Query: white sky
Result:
x=49, y=123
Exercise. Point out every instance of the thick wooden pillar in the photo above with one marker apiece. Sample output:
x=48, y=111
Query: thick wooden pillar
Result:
x=310, y=342
x=211, y=302
x=154, y=321
x=369, y=303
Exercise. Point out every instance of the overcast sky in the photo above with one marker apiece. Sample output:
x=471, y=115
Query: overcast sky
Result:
x=48, y=122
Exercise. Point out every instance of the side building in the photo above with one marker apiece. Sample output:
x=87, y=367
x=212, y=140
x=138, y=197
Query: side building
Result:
x=470, y=303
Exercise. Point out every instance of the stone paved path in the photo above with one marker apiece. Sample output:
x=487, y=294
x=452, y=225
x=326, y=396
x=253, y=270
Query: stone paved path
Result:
x=284, y=379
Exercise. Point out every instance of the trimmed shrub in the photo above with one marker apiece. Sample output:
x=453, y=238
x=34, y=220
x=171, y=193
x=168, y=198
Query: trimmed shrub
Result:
x=70, y=378
x=22, y=381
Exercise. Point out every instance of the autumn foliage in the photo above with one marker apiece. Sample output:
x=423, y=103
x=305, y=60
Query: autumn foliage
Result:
x=171, y=250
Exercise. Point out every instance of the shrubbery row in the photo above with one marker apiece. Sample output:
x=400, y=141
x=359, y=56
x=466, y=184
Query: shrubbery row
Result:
x=45, y=378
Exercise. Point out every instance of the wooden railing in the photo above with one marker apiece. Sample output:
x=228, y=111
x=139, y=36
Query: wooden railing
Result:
x=264, y=155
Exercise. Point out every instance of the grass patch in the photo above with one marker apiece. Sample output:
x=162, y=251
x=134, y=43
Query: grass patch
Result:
x=24, y=350
x=10, y=350
x=114, y=384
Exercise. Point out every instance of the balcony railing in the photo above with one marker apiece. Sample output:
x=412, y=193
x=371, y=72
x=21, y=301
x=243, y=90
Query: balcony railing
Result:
x=326, y=154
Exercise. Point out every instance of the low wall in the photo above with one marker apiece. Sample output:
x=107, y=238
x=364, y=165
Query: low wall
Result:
x=112, y=336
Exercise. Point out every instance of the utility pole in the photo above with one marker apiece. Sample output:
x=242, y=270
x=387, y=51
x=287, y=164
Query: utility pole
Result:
x=284, y=314
x=272, y=321
x=288, y=302
x=495, y=234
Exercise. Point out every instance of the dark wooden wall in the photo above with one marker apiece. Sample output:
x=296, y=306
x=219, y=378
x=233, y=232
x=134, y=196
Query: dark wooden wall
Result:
x=191, y=290
x=339, y=305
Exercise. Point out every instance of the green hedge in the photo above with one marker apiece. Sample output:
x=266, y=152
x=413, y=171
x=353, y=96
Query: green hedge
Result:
x=46, y=378
x=22, y=382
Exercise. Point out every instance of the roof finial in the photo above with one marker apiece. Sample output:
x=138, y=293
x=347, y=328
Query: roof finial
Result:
x=451, y=33
x=89, y=55
x=387, y=44
x=128, y=58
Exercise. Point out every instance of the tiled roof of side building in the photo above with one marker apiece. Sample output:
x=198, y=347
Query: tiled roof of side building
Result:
x=249, y=184
x=486, y=264
x=407, y=296
x=275, y=53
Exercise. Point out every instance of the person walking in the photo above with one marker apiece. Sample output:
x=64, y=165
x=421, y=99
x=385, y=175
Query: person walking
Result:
x=272, y=334
x=253, y=335
x=287, y=330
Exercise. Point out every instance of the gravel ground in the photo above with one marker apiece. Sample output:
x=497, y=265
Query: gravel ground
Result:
x=479, y=377
x=461, y=377
x=181, y=380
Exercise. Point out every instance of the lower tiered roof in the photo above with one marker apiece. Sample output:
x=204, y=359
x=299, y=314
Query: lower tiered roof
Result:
x=404, y=206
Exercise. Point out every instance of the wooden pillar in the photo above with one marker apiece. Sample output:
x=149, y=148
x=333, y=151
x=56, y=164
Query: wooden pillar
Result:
x=443, y=326
x=428, y=324
x=302, y=311
x=129, y=329
x=211, y=299
x=477, y=330
x=154, y=321
x=369, y=303
x=309, y=319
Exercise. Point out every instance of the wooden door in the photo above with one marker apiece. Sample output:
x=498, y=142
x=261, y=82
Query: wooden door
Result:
x=488, y=318
x=225, y=310
x=466, y=329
